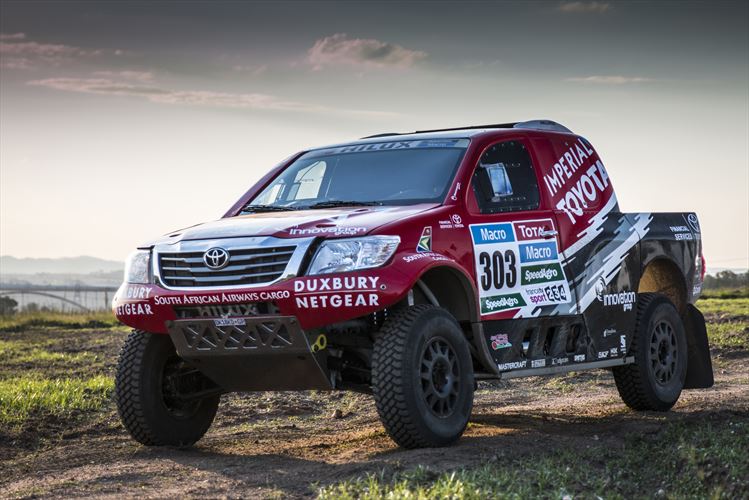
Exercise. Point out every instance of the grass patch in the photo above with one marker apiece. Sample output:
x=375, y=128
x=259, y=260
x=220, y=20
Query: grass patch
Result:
x=731, y=334
x=24, y=321
x=695, y=460
x=24, y=396
x=725, y=293
x=727, y=307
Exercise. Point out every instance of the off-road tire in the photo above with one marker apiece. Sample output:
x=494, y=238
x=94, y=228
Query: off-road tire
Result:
x=139, y=393
x=638, y=384
x=399, y=356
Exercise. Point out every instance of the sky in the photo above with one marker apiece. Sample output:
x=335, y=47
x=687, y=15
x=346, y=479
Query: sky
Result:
x=121, y=121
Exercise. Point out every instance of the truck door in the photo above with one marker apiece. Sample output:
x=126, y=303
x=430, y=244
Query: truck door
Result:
x=521, y=282
x=514, y=237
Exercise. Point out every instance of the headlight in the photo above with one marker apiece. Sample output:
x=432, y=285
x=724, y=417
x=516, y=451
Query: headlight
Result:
x=338, y=256
x=138, y=267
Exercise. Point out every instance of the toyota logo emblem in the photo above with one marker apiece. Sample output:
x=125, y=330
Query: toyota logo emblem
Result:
x=216, y=258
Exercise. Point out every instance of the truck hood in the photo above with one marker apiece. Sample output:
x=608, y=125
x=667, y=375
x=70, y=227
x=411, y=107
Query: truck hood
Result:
x=331, y=223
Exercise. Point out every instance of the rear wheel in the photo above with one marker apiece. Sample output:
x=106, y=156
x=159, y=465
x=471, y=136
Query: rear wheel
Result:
x=422, y=377
x=655, y=380
x=160, y=399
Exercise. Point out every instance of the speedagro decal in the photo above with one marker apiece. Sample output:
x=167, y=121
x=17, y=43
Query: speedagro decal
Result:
x=505, y=282
x=350, y=291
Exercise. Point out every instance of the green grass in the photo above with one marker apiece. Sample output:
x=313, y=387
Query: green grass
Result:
x=695, y=460
x=725, y=293
x=24, y=396
x=25, y=321
x=728, y=307
x=731, y=334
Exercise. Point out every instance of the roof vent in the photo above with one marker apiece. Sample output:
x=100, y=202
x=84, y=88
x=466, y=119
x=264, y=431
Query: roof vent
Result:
x=543, y=125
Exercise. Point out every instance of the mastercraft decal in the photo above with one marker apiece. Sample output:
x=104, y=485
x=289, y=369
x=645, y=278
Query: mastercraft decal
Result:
x=505, y=282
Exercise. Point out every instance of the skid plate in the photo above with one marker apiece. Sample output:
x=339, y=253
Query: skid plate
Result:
x=260, y=353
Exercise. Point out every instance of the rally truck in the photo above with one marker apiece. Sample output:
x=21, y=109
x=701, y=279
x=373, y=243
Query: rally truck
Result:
x=410, y=267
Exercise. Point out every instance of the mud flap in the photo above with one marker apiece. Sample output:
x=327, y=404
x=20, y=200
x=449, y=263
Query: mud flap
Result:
x=252, y=353
x=699, y=365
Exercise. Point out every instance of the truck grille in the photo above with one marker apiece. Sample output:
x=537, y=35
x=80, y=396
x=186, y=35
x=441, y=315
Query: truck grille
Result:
x=246, y=266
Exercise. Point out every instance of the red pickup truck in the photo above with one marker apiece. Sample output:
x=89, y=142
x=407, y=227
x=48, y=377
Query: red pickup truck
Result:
x=409, y=266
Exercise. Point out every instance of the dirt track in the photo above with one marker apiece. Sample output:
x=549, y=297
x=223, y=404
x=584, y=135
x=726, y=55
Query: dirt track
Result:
x=281, y=444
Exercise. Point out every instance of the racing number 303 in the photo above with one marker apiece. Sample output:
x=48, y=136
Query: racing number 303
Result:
x=500, y=270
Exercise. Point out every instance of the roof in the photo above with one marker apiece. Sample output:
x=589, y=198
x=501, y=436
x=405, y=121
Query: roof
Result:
x=456, y=133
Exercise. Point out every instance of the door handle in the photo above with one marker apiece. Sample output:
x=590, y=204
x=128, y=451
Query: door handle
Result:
x=548, y=233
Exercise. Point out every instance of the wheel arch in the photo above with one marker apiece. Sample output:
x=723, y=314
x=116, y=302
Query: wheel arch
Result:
x=662, y=275
x=453, y=290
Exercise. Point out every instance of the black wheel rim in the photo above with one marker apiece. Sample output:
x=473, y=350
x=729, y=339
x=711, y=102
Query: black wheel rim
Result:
x=440, y=377
x=664, y=352
x=178, y=380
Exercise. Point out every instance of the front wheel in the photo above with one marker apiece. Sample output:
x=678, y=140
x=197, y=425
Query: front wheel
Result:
x=655, y=380
x=422, y=377
x=160, y=399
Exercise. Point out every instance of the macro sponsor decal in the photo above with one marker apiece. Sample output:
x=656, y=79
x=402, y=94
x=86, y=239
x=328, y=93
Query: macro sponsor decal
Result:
x=134, y=310
x=624, y=299
x=518, y=266
x=536, y=252
x=500, y=341
x=425, y=241
x=349, y=291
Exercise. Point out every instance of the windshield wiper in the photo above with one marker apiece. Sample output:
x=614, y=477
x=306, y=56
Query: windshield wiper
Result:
x=344, y=203
x=266, y=208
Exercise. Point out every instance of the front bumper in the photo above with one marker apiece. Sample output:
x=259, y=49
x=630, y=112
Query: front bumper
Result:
x=252, y=353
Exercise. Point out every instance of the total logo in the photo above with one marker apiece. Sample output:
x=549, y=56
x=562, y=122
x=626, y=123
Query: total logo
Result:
x=624, y=299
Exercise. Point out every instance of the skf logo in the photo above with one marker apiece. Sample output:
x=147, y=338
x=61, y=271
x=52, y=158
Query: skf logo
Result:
x=425, y=242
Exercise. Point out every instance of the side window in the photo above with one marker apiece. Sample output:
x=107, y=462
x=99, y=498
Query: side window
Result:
x=504, y=180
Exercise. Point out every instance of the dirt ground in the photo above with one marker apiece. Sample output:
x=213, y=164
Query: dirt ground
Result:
x=283, y=444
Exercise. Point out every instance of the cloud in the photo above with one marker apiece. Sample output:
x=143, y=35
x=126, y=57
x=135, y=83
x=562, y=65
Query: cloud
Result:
x=17, y=52
x=253, y=70
x=253, y=101
x=339, y=49
x=12, y=36
x=594, y=7
x=139, y=76
x=610, y=79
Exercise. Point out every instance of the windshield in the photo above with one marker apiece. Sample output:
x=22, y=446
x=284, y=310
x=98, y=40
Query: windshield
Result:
x=390, y=173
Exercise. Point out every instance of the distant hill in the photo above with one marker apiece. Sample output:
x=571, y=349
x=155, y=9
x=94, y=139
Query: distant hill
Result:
x=64, y=265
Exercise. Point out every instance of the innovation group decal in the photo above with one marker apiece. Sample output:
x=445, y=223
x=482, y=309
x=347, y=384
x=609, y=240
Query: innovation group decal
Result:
x=517, y=265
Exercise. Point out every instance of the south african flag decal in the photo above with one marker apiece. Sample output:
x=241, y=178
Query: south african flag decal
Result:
x=425, y=242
